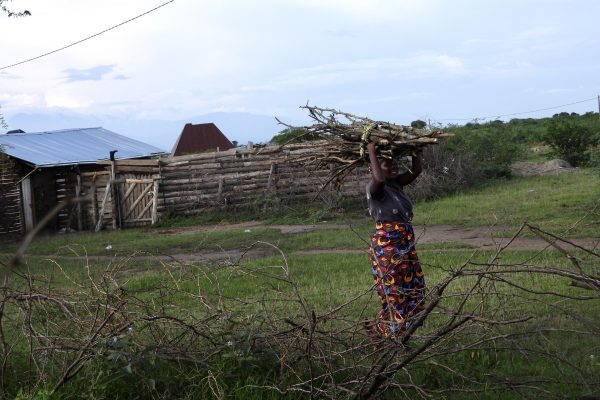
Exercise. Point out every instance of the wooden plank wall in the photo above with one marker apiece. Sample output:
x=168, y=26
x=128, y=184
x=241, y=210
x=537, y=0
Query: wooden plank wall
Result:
x=65, y=184
x=187, y=185
x=94, y=184
x=244, y=178
x=10, y=198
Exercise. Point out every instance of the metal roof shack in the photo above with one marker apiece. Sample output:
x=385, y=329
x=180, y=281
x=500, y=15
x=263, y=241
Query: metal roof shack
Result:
x=41, y=170
x=199, y=138
x=72, y=146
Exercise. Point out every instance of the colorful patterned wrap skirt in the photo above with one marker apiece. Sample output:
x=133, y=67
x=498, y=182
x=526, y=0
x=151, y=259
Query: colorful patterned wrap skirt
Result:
x=398, y=276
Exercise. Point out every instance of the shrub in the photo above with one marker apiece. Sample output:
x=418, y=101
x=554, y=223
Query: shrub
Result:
x=443, y=173
x=491, y=149
x=293, y=135
x=570, y=140
x=593, y=154
x=419, y=124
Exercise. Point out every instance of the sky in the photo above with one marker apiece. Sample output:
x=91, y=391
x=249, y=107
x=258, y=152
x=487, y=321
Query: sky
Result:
x=247, y=61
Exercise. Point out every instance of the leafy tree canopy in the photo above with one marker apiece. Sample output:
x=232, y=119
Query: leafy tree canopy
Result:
x=293, y=135
x=419, y=124
x=12, y=13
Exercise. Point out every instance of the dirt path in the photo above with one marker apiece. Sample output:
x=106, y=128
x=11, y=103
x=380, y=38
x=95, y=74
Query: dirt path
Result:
x=470, y=237
x=455, y=239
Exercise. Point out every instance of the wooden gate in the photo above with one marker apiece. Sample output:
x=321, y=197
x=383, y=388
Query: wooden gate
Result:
x=137, y=201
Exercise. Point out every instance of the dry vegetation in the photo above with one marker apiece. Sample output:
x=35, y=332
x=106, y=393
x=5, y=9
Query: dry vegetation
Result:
x=192, y=318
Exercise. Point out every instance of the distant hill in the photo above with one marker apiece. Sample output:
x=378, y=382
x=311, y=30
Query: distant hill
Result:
x=241, y=127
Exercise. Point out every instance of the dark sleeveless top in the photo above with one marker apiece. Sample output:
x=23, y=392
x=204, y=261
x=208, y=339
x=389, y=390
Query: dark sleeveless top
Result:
x=391, y=203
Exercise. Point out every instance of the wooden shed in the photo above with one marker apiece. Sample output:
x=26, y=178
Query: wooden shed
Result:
x=38, y=170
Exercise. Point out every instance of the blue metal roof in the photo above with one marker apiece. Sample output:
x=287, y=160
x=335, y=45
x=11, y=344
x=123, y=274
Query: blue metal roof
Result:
x=72, y=146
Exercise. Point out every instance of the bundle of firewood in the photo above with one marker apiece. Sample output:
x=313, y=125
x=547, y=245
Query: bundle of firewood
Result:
x=345, y=137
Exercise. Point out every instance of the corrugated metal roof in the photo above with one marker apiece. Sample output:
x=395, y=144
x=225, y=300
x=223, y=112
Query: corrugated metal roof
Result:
x=72, y=146
x=200, y=137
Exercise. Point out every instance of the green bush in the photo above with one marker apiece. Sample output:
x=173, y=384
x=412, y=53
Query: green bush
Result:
x=419, y=124
x=570, y=139
x=293, y=135
x=491, y=147
x=593, y=154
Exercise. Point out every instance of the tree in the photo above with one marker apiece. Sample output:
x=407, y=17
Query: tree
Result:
x=419, y=124
x=293, y=135
x=570, y=140
x=3, y=124
x=10, y=13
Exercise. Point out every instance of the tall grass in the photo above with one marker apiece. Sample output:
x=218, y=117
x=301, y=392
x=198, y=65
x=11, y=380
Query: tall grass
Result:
x=255, y=300
x=555, y=203
x=252, y=300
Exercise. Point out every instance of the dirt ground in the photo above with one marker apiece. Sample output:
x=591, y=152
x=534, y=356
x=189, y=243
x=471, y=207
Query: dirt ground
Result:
x=552, y=167
x=452, y=238
x=457, y=238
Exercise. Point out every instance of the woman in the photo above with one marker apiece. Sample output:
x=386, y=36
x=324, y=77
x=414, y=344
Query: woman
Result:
x=399, y=279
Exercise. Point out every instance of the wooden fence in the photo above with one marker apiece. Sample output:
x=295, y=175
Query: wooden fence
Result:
x=129, y=193
x=192, y=184
x=10, y=198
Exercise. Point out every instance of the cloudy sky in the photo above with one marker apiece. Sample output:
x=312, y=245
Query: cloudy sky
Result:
x=398, y=60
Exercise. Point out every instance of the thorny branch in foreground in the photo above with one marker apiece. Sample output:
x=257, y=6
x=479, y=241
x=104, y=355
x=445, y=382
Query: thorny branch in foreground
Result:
x=194, y=315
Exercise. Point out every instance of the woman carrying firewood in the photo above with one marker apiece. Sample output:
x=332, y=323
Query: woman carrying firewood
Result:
x=399, y=279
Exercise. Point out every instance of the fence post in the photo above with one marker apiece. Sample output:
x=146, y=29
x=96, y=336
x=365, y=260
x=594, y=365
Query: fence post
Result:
x=155, y=203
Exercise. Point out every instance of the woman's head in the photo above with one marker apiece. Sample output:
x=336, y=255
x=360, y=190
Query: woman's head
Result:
x=390, y=168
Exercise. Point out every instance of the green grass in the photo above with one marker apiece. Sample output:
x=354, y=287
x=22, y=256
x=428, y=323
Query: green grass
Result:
x=313, y=213
x=329, y=280
x=129, y=241
x=554, y=203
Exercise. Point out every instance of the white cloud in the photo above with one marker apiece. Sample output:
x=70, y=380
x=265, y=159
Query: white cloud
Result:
x=96, y=73
x=353, y=71
x=66, y=100
x=538, y=32
x=11, y=101
x=270, y=56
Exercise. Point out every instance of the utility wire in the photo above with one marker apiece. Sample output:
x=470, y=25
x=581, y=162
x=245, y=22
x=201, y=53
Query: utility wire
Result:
x=87, y=38
x=517, y=113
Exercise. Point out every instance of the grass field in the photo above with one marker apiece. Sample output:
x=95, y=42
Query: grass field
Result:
x=567, y=205
x=260, y=294
x=256, y=291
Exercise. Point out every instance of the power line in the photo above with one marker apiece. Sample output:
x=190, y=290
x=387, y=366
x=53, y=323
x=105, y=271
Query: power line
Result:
x=517, y=113
x=87, y=38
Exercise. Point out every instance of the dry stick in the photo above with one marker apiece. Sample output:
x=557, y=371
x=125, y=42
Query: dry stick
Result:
x=310, y=314
x=75, y=366
x=380, y=376
x=17, y=258
x=5, y=346
x=587, y=214
x=378, y=368
x=539, y=232
x=594, y=282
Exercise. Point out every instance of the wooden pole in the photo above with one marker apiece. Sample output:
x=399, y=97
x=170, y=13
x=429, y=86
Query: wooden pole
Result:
x=155, y=203
x=115, y=198
x=271, y=171
x=94, y=203
x=101, y=213
x=77, y=195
